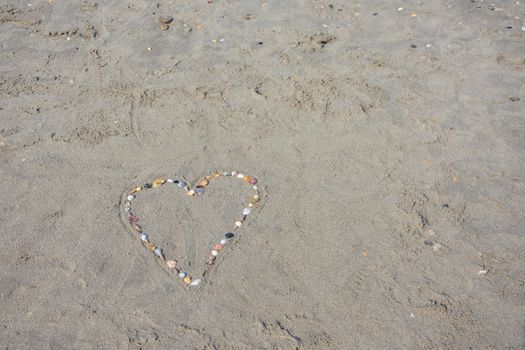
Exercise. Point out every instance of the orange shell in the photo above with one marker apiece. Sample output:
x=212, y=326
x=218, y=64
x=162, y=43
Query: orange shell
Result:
x=150, y=246
x=248, y=178
x=171, y=264
x=157, y=182
x=203, y=182
x=187, y=280
x=137, y=228
x=218, y=246
x=136, y=189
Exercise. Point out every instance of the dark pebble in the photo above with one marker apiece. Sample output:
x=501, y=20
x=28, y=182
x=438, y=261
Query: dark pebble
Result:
x=229, y=235
x=199, y=190
x=374, y=14
x=147, y=185
x=413, y=46
x=514, y=99
x=445, y=205
x=428, y=242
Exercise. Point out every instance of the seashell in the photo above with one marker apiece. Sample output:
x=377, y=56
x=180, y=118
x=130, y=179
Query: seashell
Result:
x=130, y=197
x=227, y=173
x=150, y=246
x=171, y=264
x=196, y=282
x=253, y=181
x=199, y=190
x=203, y=182
x=191, y=192
x=170, y=181
x=218, y=246
x=240, y=176
x=182, y=274
x=158, y=182
x=181, y=184
x=144, y=237
x=136, y=189
x=238, y=223
x=133, y=218
x=246, y=211
x=215, y=176
x=250, y=205
x=186, y=280
x=234, y=173
x=224, y=241
x=255, y=187
x=247, y=178
x=229, y=235
x=128, y=209
x=137, y=227
x=214, y=252
x=158, y=252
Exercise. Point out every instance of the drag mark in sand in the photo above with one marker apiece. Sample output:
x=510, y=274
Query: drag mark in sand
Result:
x=133, y=121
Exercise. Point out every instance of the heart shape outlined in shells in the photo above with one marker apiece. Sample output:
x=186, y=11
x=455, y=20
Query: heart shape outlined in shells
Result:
x=131, y=220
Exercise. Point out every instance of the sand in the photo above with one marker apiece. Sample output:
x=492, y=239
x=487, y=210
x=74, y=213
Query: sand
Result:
x=387, y=138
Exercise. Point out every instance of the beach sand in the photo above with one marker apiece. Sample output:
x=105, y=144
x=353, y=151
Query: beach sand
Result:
x=387, y=138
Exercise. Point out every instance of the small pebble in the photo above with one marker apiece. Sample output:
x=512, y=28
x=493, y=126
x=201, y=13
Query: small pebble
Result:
x=224, y=241
x=147, y=185
x=196, y=282
x=255, y=187
x=514, y=99
x=158, y=252
x=165, y=19
x=130, y=197
x=246, y=211
x=191, y=192
x=144, y=237
x=428, y=242
x=181, y=184
x=214, y=252
x=182, y=274
x=128, y=209
x=199, y=190
x=187, y=29
x=226, y=173
x=170, y=181
x=229, y=235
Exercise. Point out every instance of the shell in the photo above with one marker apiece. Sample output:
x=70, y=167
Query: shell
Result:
x=250, y=205
x=214, y=252
x=170, y=181
x=233, y=173
x=227, y=173
x=171, y=264
x=186, y=280
x=224, y=241
x=137, y=227
x=181, y=184
x=238, y=223
x=158, y=252
x=130, y=197
x=190, y=192
x=215, y=176
x=240, y=176
x=196, y=282
x=133, y=218
x=248, y=179
x=144, y=237
x=255, y=187
x=182, y=274
x=128, y=209
x=246, y=211
x=218, y=246
x=158, y=182
x=136, y=189
x=150, y=246
x=203, y=182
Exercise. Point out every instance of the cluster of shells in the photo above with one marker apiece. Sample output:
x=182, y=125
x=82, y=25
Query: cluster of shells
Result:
x=171, y=264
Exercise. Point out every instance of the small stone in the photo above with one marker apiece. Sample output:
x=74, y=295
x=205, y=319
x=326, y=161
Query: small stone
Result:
x=240, y=176
x=170, y=181
x=165, y=19
x=218, y=246
x=130, y=197
x=171, y=264
x=186, y=280
x=234, y=173
x=214, y=252
x=428, y=242
x=158, y=182
x=158, y=252
x=128, y=209
x=199, y=190
x=148, y=185
x=181, y=184
x=246, y=211
x=164, y=27
x=514, y=99
x=182, y=274
x=238, y=223
x=203, y=182
x=227, y=173
x=195, y=283
x=229, y=235
x=144, y=237
x=224, y=241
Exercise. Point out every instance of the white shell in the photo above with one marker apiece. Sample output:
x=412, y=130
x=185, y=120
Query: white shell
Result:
x=234, y=173
x=238, y=223
x=130, y=197
x=128, y=209
x=195, y=282
x=224, y=241
x=250, y=205
x=255, y=187
x=240, y=176
x=182, y=274
x=144, y=237
x=214, y=252
x=246, y=211
x=170, y=180
x=158, y=252
x=256, y=196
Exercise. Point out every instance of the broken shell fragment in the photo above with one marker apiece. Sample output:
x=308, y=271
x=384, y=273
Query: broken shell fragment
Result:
x=158, y=252
x=130, y=197
x=240, y=176
x=144, y=237
x=246, y=211
x=238, y=223
x=203, y=182
x=158, y=182
x=181, y=184
x=196, y=282
x=187, y=280
x=218, y=246
x=199, y=190
x=224, y=241
x=191, y=192
x=214, y=252
x=182, y=274
x=171, y=264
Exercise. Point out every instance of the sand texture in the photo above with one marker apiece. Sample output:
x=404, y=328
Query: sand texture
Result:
x=388, y=138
